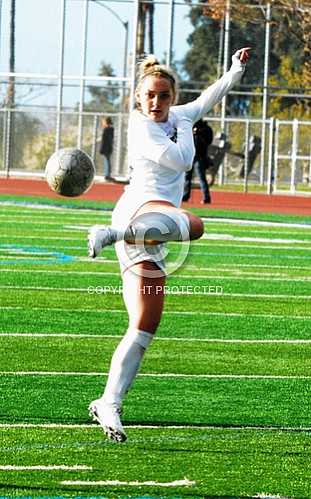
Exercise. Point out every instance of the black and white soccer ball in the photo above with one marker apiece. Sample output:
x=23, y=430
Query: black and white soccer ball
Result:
x=70, y=172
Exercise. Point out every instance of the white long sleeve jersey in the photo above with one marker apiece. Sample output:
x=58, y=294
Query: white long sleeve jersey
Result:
x=160, y=153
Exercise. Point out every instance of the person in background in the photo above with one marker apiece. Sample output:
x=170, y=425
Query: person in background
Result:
x=106, y=145
x=203, y=137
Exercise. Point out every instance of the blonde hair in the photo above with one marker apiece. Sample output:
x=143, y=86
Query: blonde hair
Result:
x=150, y=66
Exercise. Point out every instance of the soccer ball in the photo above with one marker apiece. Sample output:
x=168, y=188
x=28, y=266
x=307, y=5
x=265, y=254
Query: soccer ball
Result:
x=70, y=172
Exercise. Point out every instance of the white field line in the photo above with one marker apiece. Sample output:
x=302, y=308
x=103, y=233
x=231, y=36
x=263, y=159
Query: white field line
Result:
x=236, y=274
x=165, y=312
x=157, y=375
x=159, y=338
x=35, y=218
x=254, y=256
x=192, y=254
x=193, y=247
x=115, y=483
x=92, y=426
x=235, y=221
x=37, y=207
x=83, y=228
x=30, y=255
x=234, y=244
x=211, y=221
x=241, y=277
x=63, y=238
x=77, y=336
x=42, y=238
x=220, y=267
x=55, y=467
x=262, y=223
x=36, y=223
x=60, y=272
x=208, y=236
x=117, y=290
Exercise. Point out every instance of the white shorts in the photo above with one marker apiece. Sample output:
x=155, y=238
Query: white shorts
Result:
x=131, y=254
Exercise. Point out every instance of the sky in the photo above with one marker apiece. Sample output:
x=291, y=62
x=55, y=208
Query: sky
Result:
x=38, y=24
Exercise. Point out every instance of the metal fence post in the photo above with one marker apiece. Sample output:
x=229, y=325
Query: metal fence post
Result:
x=294, y=157
x=246, y=155
x=265, y=100
x=8, y=142
x=119, y=143
x=94, y=137
x=3, y=113
x=60, y=77
x=271, y=156
x=171, y=33
x=276, y=156
x=83, y=69
x=224, y=125
x=134, y=55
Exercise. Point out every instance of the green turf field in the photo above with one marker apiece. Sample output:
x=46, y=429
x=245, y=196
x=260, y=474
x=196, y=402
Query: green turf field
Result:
x=221, y=407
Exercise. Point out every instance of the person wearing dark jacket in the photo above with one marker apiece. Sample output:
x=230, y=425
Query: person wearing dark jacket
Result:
x=203, y=137
x=106, y=145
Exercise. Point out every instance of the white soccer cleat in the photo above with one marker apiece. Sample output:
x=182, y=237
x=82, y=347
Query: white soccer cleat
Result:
x=99, y=236
x=108, y=416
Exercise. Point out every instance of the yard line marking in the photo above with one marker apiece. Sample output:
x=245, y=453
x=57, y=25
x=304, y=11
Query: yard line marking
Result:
x=158, y=338
x=246, y=255
x=51, y=467
x=151, y=483
x=37, y=223
x=197, y=253
x=69, y=217
x=229, y=237
x=45, y=238
x=92, y=426
x=234, y=245
x=249, y=265
x=177, y=293
x=24, y=205
x=263, y=223
x=165, y=312
x=159, y=375
x=242, y=275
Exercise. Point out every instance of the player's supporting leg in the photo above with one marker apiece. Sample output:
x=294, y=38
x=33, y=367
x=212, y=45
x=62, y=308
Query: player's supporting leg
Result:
x=153, y=223
x=143, y=297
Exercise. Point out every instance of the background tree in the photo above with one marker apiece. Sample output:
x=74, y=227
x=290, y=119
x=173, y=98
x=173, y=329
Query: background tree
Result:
x=291, y=24
x=104, y=96
x=290, y=37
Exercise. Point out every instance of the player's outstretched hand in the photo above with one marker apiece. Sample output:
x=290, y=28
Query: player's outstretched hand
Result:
x=242, y=54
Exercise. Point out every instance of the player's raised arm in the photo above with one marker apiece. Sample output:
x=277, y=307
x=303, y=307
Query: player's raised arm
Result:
x=215, y=92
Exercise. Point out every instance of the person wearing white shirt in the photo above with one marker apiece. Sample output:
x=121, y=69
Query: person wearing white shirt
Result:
x=148, y=214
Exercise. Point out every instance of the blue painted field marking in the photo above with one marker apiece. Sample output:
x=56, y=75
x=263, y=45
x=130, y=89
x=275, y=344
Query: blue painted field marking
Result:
x=47, y=256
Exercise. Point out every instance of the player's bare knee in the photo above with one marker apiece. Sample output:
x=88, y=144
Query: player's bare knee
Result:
x=196, y=228
x=148, y=325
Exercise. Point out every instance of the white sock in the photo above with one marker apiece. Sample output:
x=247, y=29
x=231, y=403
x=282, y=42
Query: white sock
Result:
x=125, y=364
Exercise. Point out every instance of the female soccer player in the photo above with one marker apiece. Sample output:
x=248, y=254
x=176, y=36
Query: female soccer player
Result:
x=160, y=151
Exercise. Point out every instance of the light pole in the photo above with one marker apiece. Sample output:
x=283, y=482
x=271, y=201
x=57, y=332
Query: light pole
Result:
x=120, y=141
x=125, y=25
